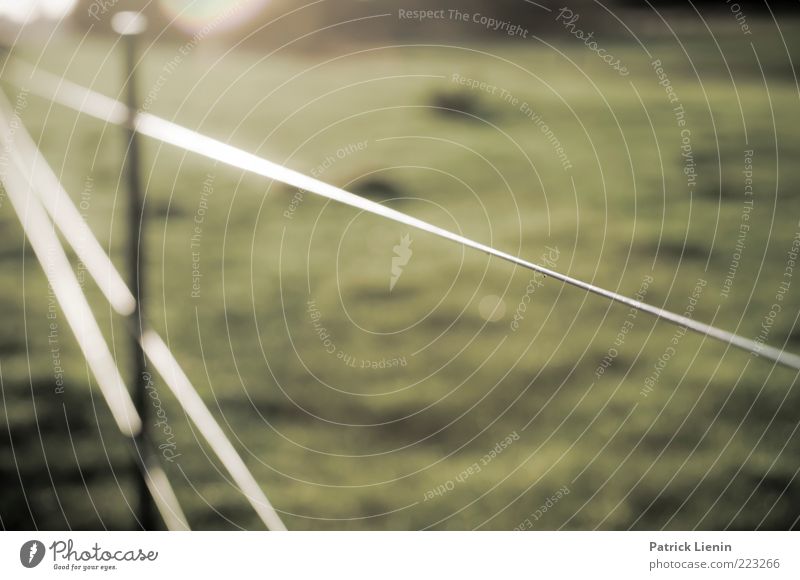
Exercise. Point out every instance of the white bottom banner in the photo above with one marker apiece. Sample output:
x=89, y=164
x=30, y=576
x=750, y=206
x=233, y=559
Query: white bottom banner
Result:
x=401, y=555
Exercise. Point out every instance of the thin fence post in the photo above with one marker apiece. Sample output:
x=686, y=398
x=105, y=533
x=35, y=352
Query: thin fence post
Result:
x=129, y=25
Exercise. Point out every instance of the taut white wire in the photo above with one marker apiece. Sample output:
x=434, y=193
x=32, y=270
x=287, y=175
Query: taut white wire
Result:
x=161, y=357
x=163, y=494
x=65, y=286
x=87, y=101
x=38, y=228
x=72, y=225
x=65, y=215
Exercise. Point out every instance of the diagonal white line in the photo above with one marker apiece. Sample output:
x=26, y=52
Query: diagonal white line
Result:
x=38, y=228
x=161, y=357
x=47, y=247
x=163, y=495
x=65, y=286
x=71, y=223
x=87, y=101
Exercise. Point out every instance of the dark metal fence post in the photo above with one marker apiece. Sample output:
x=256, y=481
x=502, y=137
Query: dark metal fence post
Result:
x=129, y=25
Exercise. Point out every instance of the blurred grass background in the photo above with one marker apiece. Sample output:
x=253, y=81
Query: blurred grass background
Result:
x=713, y=445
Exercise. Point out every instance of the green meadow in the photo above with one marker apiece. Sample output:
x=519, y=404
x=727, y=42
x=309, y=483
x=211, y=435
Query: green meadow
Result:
x=467, y=393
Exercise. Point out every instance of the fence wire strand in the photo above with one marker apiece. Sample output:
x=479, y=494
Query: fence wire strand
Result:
x=92, y=103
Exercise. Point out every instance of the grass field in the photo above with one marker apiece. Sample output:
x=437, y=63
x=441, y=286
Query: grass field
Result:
x=358, y=407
